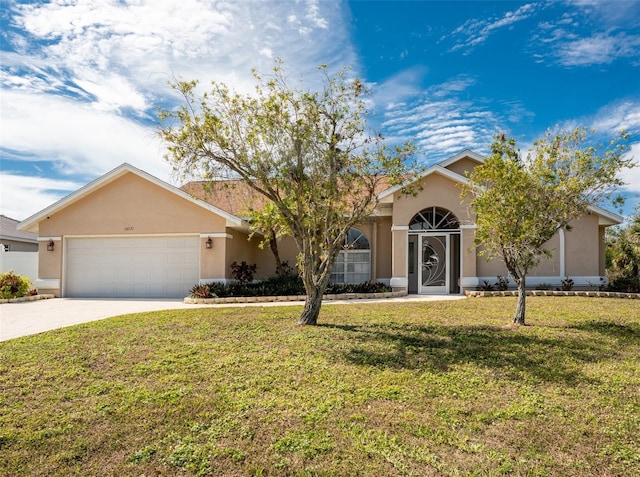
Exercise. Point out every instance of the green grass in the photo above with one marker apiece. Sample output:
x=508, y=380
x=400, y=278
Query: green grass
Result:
x=439, y=388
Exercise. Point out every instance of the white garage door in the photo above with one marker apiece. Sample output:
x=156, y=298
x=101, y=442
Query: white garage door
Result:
x=132, y=267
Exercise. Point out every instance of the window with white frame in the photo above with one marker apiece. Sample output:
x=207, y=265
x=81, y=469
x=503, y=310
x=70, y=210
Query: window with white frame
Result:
x=353, y=263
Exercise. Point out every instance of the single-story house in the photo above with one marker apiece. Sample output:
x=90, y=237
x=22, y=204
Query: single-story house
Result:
x=14, y=240
x=129, y=234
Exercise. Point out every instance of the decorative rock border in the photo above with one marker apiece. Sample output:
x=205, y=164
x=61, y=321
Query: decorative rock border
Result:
x=596, y=294
x=27, y=298
x=265, y=299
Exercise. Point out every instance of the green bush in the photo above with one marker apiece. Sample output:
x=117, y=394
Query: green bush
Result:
x=625, y=285
x=243, y=272
x=13, y=286
x=278, y=286
x=502, y=284
x=567, y=284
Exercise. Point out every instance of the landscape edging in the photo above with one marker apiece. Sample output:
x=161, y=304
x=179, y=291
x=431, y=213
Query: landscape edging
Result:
x=594, y=294
x=27, y=298
x=265, y=299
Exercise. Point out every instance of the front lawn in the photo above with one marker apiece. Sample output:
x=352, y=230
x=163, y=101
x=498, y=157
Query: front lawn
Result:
x=437, y=388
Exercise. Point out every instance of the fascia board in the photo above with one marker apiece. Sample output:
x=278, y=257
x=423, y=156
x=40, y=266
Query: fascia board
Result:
x=606, y=217
x=461, y=155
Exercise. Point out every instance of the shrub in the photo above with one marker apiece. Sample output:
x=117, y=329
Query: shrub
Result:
x=502, y=284
x=243, y=272
x=278, y=286
x=287, y=270
x=13, y=286
x=200, y=291
x=566, y=284
x=485, y=286
x=625, y=285
x=365, y=287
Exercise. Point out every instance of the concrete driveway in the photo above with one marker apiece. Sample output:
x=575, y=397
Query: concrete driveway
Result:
x=32, y=317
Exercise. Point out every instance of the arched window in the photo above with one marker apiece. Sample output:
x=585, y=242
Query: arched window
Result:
x=434, y=218
x=353, y=263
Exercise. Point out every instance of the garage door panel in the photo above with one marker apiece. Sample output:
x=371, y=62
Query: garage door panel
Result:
x=143, y=267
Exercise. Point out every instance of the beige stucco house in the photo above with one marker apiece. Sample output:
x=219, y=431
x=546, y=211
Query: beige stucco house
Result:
x=129, y=234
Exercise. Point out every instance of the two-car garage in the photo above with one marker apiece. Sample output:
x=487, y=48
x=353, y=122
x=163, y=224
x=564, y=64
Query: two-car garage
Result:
x=130, y=235
x=131, y=266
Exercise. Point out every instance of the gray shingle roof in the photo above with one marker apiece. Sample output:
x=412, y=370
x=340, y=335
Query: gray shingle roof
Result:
x=8, y=231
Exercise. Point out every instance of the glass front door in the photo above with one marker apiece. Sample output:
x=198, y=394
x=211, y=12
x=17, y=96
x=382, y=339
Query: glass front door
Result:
x=433, y=262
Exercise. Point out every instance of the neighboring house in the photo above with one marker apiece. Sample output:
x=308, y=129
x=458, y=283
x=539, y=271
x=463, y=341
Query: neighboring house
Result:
x=14, y=240
x=129, y=234
x=18, y=249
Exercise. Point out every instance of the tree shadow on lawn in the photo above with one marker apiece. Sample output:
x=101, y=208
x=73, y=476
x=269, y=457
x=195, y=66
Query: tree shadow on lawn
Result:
x=504, y=350
x=628, y=333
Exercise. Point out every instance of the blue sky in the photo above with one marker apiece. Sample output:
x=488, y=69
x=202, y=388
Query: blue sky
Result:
x=81, y=80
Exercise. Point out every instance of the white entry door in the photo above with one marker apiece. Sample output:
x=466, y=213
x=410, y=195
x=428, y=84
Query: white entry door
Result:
x=433, y=262
x=131, y=267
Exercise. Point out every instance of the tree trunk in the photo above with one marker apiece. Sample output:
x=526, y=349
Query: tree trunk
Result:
x=273, y=246
x=518, y=318
x=312, y=305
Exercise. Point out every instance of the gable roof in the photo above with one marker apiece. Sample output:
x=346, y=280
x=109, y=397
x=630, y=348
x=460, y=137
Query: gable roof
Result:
x=439, y=168
x=605, y=217
x=466, y=153
x=9, y=231
x=32, y=223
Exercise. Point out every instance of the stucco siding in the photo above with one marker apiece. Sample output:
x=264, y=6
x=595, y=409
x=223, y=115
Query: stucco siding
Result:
x=212, y=260
x=50, y=262
x=383, y=248
x=436, y=190
x=583, y=247
x=287, y=251
x=463, y=166
x=131, y=205
x=549, y=267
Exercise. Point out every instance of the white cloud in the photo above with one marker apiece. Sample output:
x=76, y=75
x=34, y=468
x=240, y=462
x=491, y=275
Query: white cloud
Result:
x=438, y=121
x=135, y=47
x=403, y=85
x=632, y=176
x=475, y=32
x=591, y=33
x=23, y=196
x=622, y=115
x=82, y=140
x=607, y=123
x=82, y=83
x=598, y=49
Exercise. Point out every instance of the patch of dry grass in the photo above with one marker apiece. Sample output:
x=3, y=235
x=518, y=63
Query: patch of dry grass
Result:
x=442, y=388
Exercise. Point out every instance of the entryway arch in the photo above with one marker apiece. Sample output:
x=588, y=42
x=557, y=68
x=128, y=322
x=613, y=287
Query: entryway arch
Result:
x=434, y=252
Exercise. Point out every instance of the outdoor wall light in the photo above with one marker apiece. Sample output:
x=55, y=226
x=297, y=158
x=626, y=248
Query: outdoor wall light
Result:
x=50, y=246
x=209, y=243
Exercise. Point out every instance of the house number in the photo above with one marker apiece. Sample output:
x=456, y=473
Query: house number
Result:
x=128, y=229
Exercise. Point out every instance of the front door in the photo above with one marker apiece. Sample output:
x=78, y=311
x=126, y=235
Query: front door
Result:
x=433, y=259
